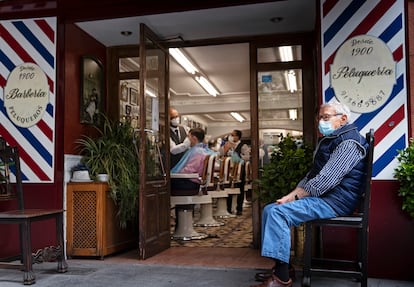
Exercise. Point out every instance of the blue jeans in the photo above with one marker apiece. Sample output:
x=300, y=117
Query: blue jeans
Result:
x=278, y=218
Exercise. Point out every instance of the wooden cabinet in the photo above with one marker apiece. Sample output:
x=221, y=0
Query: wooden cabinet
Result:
x=92, y=226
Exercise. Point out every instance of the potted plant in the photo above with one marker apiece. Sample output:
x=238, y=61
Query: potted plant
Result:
x=289, y=163
x=404, y=173
x=113, y=152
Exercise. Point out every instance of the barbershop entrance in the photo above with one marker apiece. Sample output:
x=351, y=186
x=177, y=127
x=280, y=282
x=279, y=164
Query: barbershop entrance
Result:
x=270, y=103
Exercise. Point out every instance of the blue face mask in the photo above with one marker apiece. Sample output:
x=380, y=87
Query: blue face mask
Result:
x=326, y=128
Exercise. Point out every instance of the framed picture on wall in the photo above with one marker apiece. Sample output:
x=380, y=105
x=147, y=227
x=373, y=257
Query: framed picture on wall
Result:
x=124, y=92
x=133, y=96
x=91, y=94
x=127, y=110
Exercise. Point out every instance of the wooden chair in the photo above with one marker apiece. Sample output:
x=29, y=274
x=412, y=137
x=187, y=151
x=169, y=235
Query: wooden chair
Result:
x=10, y=164
x=357, y=268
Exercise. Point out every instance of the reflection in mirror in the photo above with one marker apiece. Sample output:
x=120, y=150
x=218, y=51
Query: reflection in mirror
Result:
x=279, y=54
x=280, y=108
x=154, y=97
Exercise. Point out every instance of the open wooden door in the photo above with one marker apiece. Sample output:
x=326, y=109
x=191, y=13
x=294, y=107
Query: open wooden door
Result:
x=154, y=196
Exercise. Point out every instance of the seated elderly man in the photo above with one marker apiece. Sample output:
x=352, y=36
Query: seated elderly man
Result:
x=191, y=162
x=331, y=188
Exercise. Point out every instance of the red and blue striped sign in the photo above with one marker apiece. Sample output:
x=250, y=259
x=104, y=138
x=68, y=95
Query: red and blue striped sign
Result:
x=30, y=41
x=384, y=19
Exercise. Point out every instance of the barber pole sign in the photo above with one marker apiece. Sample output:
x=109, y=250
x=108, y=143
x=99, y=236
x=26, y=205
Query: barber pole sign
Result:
x=364, y=66
x=27, y=93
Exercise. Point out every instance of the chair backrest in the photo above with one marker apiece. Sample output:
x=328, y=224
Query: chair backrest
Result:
x=248, y=174
x=206, y=176
x=236, y=172
x=210, y=171
x=237, y=175
x=205, y=168
x=9, y=167
x=366, y=199
x=225, y=170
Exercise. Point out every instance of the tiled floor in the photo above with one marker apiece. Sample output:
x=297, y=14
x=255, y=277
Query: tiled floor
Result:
x=236, y=232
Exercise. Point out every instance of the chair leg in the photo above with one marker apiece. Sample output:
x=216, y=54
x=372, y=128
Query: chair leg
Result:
x=307, y=256
x=29, y=277
x=363, y=257
x=61, y=258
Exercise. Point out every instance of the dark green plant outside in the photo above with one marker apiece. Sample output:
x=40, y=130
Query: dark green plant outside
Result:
x=113, y=152
x=289, y=163
x=404, y=172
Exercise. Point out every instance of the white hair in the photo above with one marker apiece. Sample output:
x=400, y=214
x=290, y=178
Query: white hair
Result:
x=340, y=108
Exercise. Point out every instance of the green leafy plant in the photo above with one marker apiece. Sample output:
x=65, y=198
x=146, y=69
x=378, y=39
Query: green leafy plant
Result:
x=404, y=172
x=289, y=163
x=114, y=152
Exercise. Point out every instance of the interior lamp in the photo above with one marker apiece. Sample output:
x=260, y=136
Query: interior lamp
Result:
x=237, y=117
x=207, y=85
x=291, y=81
x=183, y=60
x=286, y=54
x=293, y=114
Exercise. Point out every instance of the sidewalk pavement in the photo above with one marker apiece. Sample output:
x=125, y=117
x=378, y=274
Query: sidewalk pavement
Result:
x=98, y=273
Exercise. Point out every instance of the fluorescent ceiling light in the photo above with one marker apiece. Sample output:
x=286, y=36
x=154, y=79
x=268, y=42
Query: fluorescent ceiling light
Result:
x=183, y=60
x=293, y=114
x=193, y=70
x=291, y=81
x=150, y=93
x=207, y=85
x=286, y=54
x=237, y=117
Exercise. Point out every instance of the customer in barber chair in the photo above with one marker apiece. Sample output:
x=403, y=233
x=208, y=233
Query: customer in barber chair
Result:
x=191, y=162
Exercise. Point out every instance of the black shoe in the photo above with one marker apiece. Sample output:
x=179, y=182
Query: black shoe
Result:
x=238, y=213
x=263, y=276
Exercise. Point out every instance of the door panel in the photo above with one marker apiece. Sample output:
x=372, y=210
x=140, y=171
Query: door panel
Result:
x=154, y=199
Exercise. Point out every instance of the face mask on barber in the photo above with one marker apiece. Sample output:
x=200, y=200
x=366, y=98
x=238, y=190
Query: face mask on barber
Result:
x=175, y=121
x=326, y=128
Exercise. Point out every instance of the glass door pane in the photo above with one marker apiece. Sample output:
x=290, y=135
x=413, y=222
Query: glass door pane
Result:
x=154, y=95
x=279, y=107
x=128, y=102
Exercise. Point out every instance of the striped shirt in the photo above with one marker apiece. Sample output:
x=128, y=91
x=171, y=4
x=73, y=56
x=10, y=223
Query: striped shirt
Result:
x=342, y=160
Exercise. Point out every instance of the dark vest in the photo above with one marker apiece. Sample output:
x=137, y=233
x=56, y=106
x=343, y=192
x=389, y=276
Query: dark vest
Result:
x=344, y=197
x=183, y=134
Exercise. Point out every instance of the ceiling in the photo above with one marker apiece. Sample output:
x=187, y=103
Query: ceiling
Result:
x=227, y=66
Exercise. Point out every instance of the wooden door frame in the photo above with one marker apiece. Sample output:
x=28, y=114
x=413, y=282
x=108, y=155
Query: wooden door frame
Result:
x=151, y=243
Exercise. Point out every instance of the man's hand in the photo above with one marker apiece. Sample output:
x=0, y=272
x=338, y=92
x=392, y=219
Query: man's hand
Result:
x=286, y=198
x=297, y=193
